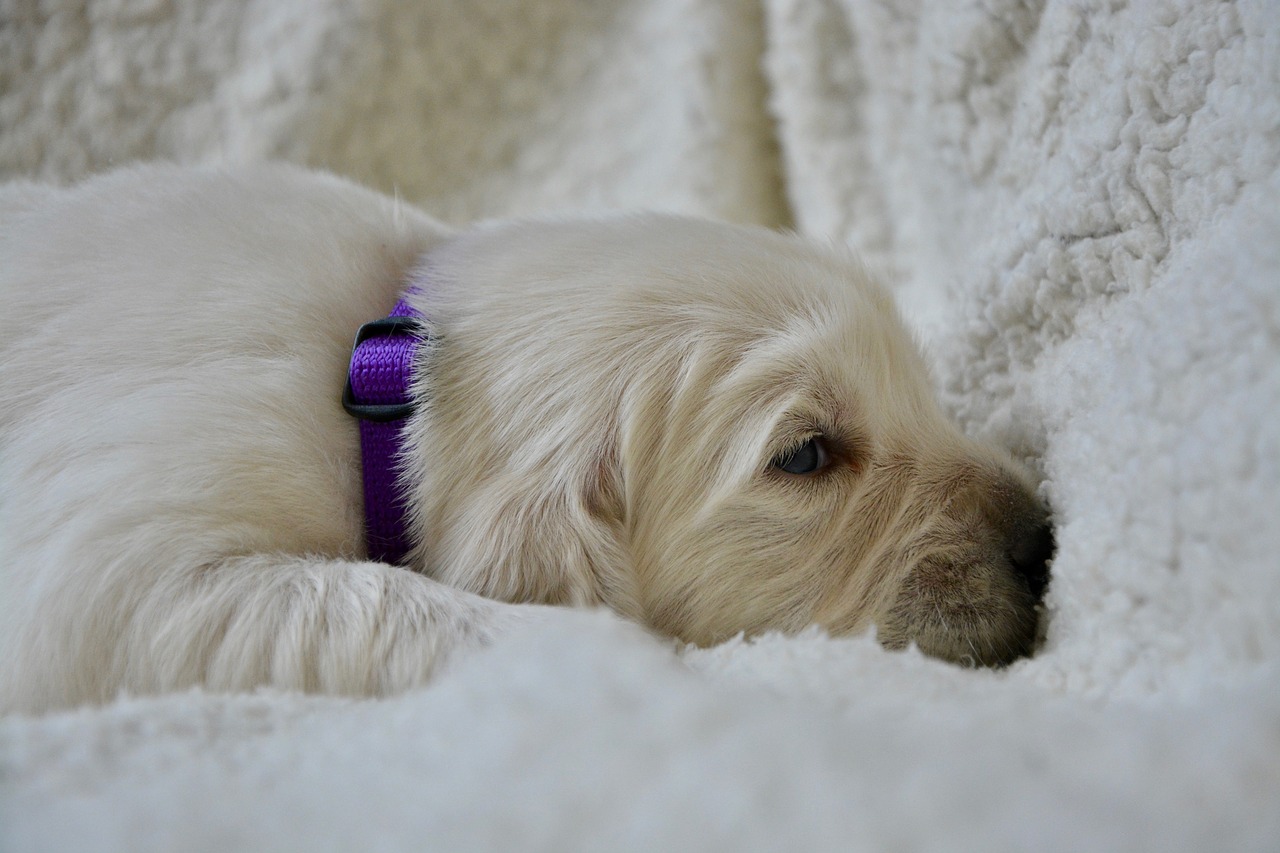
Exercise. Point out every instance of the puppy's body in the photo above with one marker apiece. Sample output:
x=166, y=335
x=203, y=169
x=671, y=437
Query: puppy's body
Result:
x=603, y=407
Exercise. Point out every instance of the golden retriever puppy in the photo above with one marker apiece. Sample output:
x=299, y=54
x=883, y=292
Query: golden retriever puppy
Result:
x=708, y=429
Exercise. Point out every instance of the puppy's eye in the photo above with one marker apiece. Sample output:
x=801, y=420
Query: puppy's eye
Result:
x=809, y=458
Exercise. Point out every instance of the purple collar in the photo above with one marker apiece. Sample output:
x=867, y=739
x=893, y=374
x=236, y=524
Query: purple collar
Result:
x=377, y=393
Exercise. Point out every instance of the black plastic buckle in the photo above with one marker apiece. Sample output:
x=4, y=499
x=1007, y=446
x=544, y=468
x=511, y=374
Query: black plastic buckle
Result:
x=379, y=412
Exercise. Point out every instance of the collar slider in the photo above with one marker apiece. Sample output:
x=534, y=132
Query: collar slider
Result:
x=379, y=412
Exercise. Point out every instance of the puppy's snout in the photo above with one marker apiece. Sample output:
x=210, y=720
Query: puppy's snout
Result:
x=1022, y=522
x=1030, y=549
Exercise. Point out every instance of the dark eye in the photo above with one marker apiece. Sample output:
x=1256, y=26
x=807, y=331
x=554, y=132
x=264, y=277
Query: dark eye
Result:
x=808, y=458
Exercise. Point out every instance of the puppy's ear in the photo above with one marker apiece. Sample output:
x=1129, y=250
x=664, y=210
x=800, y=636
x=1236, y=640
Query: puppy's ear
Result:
x=554, y=537
x=577, y=549
x=513, y=455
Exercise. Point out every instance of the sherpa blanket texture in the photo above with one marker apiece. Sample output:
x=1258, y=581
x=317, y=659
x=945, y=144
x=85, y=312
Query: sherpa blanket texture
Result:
x=1078, y=202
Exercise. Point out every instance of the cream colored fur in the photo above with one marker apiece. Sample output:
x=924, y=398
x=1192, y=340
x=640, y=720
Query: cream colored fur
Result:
x=180, y=489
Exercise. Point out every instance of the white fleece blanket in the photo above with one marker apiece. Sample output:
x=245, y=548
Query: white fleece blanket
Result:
x=1080, y=205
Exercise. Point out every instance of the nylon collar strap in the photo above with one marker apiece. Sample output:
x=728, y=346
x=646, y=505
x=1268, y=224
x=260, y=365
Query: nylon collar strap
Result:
x=377, y=394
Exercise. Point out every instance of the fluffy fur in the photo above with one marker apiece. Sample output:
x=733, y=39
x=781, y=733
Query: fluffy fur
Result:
x=603, y=405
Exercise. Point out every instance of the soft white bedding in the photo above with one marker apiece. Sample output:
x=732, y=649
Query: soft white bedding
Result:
x=1080, y=205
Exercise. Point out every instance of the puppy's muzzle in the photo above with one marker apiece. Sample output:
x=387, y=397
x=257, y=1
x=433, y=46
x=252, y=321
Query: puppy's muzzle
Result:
x=974, y=591
x=1031, y=546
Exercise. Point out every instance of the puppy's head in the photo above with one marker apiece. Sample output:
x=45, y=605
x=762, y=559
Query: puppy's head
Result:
x=712, y=430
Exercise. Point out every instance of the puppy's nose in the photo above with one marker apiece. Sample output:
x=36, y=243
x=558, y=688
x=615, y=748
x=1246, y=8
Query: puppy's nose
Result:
x=1030, y=551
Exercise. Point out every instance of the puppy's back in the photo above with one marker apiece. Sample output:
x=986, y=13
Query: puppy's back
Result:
x=172, y=347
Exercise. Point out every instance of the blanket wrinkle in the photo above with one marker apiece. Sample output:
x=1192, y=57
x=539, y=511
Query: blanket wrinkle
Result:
x=1076, y=202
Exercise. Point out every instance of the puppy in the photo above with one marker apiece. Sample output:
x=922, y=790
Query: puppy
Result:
x=708, y=429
